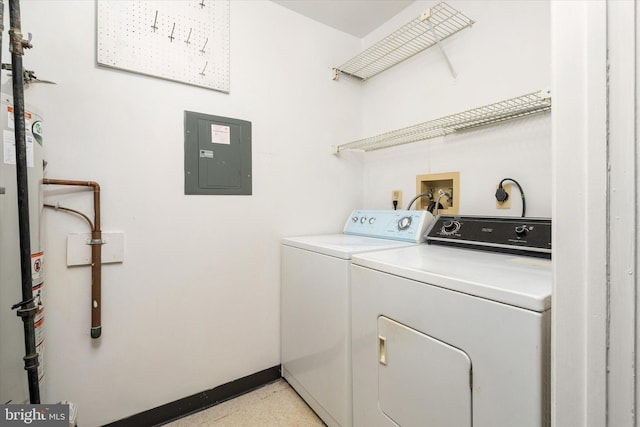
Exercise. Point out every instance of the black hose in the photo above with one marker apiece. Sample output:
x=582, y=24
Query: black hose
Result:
x=27, y=308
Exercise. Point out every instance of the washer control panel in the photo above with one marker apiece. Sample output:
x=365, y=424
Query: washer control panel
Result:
x=408, y=226
x=525, y=236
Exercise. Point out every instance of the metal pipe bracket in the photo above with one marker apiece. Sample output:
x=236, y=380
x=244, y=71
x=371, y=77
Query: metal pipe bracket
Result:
x=18, y=44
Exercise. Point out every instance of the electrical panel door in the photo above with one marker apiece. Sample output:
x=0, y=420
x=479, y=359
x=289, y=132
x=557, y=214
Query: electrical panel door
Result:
x=217, y=156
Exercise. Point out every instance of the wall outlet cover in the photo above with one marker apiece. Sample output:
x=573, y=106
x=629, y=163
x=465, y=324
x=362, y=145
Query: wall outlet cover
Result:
x=507, y=203
x=396, y=196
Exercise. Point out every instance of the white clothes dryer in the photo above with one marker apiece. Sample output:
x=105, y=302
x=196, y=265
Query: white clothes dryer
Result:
x=449, y=336
x=316, y=304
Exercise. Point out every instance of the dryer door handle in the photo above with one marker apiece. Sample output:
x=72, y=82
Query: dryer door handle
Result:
x=382, y=350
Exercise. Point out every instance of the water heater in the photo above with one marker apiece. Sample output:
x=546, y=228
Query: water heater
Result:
x=13, y=384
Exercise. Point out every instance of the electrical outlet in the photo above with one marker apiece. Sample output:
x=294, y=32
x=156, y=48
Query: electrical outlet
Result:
x=396, y=196
x=507, y=203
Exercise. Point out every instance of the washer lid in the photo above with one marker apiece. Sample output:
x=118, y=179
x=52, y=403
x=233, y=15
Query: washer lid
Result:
x=519, y=281
x=343, y=245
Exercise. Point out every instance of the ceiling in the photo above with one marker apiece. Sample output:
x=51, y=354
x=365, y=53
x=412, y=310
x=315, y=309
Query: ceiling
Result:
x=355, y=17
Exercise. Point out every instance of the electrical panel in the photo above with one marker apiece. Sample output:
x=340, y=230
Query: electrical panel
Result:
x=217, y=155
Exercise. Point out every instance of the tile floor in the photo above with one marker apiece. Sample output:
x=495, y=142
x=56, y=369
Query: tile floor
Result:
x=274, y=405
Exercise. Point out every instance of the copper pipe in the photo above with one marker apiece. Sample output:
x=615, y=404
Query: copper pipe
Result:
x=62, y=208
x=96, y=252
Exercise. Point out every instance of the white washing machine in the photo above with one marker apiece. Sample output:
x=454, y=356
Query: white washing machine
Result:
x=316, y=304
x=447, y=336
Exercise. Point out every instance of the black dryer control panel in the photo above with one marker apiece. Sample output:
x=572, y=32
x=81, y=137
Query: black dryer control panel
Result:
x=524, y=236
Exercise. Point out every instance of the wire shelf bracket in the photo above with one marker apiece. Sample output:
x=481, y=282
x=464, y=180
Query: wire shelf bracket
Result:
x=521, y=106
x=430, y=28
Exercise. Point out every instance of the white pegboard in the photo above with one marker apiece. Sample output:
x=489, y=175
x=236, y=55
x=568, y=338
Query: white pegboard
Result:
x=184, y=41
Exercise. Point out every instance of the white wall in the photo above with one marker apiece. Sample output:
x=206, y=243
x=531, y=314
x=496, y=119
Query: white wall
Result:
x=196, y=302
x=505, y=54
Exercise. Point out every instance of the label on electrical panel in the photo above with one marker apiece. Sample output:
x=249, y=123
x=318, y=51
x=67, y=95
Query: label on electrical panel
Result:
x=220, y=134
x=208, y=154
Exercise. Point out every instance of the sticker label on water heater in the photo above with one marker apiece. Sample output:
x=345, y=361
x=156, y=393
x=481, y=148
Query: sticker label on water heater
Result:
x=220, y=134
x=37, y=267
x=11, y=122
x=9, y=148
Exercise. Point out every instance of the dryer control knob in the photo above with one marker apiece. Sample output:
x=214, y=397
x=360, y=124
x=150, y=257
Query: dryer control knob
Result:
x=372, y=220
x=450, y=227
x=354, y=219
x=363, y=220
x=404, y=223
x=522, y=230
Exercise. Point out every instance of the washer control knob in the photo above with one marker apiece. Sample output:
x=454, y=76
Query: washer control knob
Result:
x=363, y=220
x=522, y=230
x=404, y=223
x=372, y=220
x=354, y=219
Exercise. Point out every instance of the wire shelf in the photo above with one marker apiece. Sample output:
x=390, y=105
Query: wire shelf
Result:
x=521, y=106
x=432, y=26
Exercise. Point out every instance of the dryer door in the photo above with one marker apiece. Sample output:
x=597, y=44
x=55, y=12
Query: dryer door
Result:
x=422, y=381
